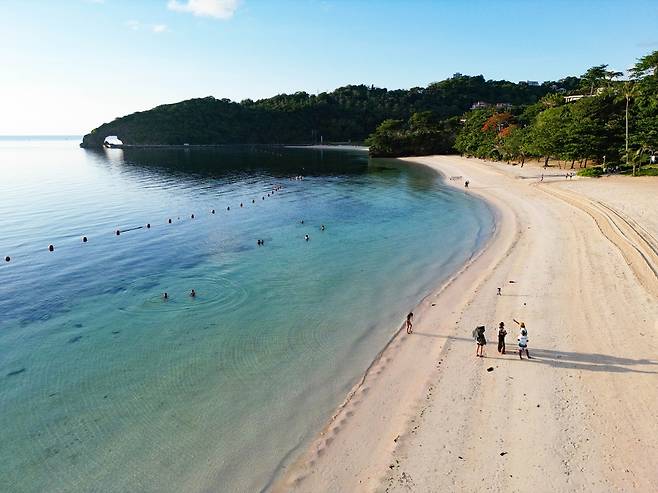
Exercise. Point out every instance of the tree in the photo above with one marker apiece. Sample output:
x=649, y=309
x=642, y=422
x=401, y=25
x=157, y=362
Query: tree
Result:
x=594, y=77
x=547, y=135
x=471, y=140
x=644, y=114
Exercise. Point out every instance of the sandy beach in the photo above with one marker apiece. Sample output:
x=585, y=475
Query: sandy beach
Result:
x=576, y=260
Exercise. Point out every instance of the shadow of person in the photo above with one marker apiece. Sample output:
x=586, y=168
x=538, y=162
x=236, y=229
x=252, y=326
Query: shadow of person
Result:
x=568, y=359
x=590, y=361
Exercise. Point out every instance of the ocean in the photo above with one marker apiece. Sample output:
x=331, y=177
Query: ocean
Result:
x=106, y=386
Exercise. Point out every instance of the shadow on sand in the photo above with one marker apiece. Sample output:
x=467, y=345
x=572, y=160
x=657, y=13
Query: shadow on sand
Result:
x=562, y=359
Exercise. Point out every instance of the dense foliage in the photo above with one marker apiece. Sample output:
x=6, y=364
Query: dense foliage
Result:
x=422, y=134
x=349, y=113
x=591, y=128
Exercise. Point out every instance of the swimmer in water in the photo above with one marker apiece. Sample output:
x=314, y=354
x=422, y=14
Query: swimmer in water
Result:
x=306, y=237
x=193, y=293
x=165, y=296
x=322, y=228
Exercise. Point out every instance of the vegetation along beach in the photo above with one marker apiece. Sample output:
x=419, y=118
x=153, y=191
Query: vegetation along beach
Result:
x=329, y=246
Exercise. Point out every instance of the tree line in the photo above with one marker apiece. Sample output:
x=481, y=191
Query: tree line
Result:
x=349, y=113
x=601, y=119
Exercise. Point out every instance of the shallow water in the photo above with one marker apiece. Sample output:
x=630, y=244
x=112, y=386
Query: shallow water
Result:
x=104, y=386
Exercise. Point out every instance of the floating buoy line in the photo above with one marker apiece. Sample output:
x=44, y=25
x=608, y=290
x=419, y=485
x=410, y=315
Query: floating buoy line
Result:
x=117, y=232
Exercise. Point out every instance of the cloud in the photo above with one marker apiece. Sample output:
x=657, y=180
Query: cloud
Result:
x=138, y=26
x=133, y=24
x=219, y=9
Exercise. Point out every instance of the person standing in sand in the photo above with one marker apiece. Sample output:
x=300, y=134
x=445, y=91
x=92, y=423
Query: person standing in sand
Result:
x=523, y=344
x=501, y=337
x=523, y=339
x=408, y=323
x=480, y=340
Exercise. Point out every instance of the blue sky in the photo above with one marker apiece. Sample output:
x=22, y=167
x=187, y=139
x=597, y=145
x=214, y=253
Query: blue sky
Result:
x=69, y=66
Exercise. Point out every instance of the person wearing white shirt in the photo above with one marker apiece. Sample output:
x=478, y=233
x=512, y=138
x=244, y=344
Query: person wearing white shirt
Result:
x=523, y=343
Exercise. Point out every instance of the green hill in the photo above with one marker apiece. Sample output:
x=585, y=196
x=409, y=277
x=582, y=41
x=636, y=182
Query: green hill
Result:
x=349, y=113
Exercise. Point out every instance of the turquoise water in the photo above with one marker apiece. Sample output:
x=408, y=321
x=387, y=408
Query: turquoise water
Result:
x=104, y=386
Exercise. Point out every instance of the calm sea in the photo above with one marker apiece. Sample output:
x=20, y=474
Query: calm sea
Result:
x=105, y=386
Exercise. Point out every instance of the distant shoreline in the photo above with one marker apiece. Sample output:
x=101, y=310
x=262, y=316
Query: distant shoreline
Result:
x=342, y=147
x=213, y=146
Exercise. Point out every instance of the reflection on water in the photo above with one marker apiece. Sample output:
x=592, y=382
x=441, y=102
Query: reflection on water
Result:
x=240, y=160
x=106, y=386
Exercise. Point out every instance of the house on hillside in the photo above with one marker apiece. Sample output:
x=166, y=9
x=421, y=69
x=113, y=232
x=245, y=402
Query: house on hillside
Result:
x=574, y=97
x=480, y=104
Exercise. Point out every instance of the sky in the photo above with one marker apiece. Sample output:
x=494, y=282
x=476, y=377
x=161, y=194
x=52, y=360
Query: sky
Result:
x=71, y=65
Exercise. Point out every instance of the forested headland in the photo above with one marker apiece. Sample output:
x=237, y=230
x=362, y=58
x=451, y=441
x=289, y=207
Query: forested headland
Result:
x=580, y=119
x=348, y=114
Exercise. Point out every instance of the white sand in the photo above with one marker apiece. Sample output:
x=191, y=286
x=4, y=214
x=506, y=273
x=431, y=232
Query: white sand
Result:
x=581, y=415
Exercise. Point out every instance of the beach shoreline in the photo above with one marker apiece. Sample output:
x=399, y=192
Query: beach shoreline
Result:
x=422, y=401
x=500, y=237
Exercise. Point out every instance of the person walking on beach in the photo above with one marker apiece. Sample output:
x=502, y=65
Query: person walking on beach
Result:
x=501, y=337
x=480, y=339
x=499, y=293
x=408, y=323
x=466, y=184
